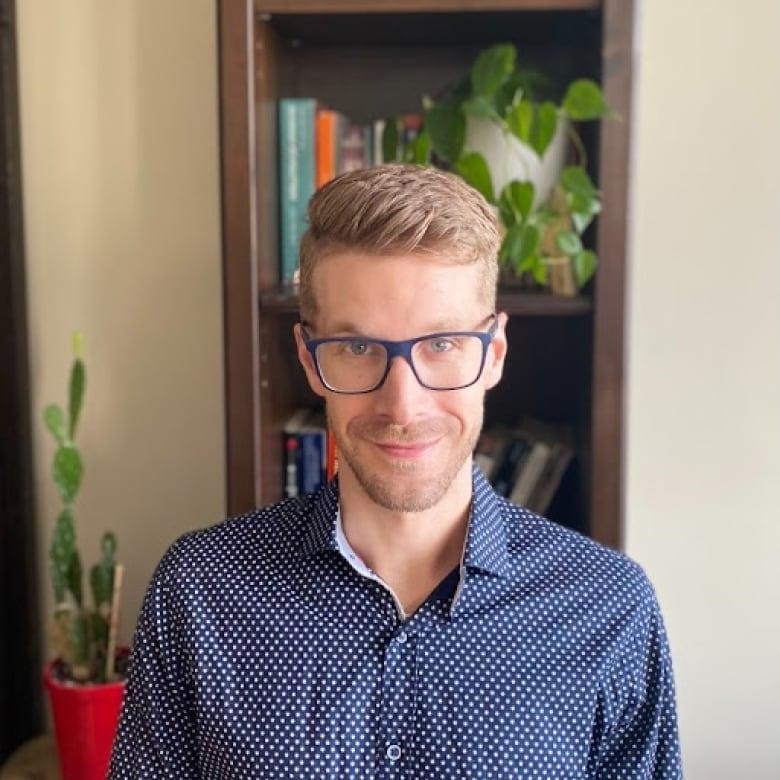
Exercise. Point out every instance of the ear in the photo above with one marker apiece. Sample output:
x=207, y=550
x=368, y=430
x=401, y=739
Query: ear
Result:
x=496, y=354
x=305, y=359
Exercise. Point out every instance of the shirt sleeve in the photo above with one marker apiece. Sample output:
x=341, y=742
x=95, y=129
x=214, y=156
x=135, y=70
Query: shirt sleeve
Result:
x=636, y=732
x=156, y=733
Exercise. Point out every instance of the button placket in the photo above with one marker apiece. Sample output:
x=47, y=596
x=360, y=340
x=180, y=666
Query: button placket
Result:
x=398, y=698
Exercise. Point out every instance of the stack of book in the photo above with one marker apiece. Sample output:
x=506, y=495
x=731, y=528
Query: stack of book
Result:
x=310, y=452
x=316, y=144
x=525, y=464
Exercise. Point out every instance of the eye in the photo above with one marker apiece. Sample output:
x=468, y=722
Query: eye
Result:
x=441, y=345
x=357, y=347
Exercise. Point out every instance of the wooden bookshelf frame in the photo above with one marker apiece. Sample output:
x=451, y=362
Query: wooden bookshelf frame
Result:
x=253, y=306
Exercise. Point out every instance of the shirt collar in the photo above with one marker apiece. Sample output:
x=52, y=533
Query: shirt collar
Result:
x=486, y=539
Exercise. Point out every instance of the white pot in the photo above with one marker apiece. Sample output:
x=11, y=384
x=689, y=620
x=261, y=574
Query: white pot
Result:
x=509, y=158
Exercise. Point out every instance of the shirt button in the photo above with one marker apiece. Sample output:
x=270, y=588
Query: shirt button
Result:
x=402, y=637
x=393, y=752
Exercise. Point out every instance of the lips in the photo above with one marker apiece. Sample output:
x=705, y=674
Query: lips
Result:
x=407, y=450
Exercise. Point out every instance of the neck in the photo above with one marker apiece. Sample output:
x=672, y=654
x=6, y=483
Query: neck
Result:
x=411, y=551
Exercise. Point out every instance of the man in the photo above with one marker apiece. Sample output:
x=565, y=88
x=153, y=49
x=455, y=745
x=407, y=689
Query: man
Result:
x=405, y=621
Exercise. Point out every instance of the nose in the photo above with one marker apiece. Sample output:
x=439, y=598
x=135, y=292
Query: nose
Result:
x=401, y=398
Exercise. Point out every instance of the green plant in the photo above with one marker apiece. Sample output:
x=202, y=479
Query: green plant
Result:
x=498, y=91
x=81, y=635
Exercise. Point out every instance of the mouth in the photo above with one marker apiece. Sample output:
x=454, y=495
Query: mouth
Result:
x=407, y=450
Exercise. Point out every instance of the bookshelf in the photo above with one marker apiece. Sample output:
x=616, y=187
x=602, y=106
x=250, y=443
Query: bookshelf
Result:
x=373, y=59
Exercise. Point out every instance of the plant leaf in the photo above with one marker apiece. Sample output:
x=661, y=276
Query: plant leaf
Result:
x=492, y=68
x=520, y=243
x=575, y=180
x=583, y=209
x=101, y=578
x=446, y=126
x=75, y=394
x=584, y=264
x=540, y=272
x=518, y=196
x=390, y=140
x=543, y=128
x=108, y=547
x=79, y=637
x=67, y=470
x=568, y=242
x=520, y=120
x=54, y=418
x=473, y=168
x=584, y=100
x=75, y=576
x=421, y=149
x=60, y=554
x=480, y=107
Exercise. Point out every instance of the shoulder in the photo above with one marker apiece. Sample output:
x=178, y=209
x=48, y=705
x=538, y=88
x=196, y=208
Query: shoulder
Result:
x=571, y=565
x=261, y=540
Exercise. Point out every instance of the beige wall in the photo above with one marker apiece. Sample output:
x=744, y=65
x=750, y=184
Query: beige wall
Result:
x=703, y=491
x=122, y=228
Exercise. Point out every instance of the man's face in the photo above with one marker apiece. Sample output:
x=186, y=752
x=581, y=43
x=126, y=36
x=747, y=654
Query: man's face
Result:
x=405, y=444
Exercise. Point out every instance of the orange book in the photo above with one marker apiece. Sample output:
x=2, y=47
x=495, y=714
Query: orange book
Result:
x=332, y=460
x=326, y=137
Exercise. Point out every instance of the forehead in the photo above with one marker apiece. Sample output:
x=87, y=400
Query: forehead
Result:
x=398, y=293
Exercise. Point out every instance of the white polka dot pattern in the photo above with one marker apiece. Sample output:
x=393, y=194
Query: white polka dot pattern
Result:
x=262, y=653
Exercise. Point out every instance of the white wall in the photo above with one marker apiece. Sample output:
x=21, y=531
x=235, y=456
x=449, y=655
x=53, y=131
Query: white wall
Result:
x=122, y=228
x=703, y=489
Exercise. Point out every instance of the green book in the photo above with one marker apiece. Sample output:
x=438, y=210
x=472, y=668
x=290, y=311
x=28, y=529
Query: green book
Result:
x=296, y=177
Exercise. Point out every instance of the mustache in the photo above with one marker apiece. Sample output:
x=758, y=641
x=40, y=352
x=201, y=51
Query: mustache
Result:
x=384, y=433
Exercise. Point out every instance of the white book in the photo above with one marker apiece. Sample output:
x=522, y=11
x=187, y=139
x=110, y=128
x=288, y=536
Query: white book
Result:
x=530, y=473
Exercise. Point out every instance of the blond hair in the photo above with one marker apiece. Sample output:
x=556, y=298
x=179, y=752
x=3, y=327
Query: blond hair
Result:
x=399, y=210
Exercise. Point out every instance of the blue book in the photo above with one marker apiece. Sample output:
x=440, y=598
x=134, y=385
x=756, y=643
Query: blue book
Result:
x=296, y=177
x=306, y=458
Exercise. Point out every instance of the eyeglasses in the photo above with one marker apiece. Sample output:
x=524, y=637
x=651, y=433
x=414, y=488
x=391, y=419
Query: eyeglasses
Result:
x=440, y=361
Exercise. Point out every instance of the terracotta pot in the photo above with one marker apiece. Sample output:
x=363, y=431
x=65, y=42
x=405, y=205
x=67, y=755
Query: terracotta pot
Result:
x=85, y=721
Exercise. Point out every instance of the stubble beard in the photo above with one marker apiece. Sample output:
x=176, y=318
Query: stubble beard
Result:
x=390, y=489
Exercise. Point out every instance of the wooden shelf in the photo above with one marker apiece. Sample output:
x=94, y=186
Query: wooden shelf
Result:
x=523, y=304
x=420, y=6
x=373, y=58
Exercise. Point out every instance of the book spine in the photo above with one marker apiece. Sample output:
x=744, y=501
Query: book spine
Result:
x=326, y=146
x=296, y=177
x=291, y=467
x=311, y=461
x=505, y=477
x=332, y=457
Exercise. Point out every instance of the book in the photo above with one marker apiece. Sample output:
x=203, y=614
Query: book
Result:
x=327, y=134
x=561, y=455
x=296, y=177
x=291, y=467
x=514, y=456
x=352, y=155
x=307, y=428
x=490, y=449
x=530, y=474
x=332, y=457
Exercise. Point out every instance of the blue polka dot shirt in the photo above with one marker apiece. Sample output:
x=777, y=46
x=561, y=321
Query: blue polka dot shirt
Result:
x=266, y=649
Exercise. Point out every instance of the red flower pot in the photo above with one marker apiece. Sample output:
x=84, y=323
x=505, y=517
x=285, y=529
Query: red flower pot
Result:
x=85, y=721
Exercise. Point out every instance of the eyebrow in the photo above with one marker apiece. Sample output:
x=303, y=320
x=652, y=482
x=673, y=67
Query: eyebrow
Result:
x=348, y=329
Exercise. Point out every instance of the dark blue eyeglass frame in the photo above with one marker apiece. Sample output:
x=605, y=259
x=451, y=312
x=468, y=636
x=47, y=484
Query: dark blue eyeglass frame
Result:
x=402, y=349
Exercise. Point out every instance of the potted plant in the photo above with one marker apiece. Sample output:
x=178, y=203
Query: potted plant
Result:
x=85, y=682
x=491, y=130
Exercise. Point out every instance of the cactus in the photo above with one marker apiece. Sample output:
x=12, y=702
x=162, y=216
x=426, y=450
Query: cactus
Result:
x=79, y=633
